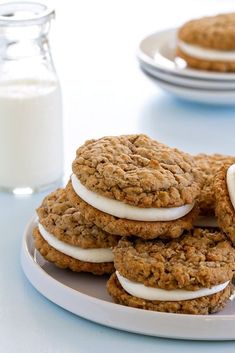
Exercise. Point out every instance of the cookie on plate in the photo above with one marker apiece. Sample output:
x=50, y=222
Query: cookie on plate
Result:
x=132, y=184
x=208, y=43
x=209, y=165
x=66, y=239
x=224, y=186
x=189, y=275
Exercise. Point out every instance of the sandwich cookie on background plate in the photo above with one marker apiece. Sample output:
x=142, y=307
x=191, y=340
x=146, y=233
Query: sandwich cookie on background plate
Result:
x=132, y=184
x=189, y=275
x=208, y=43
x=66, y=239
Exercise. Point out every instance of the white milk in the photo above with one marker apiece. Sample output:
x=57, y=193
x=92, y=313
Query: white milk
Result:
x=31, y=141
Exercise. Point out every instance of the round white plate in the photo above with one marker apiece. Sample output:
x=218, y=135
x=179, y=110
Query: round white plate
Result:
x=85, y=295
x=225, y=97
x=188, y=81
x=158, y=50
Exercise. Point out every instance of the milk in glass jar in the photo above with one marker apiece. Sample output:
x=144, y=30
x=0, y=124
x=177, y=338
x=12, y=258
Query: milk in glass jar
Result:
x=31, y=139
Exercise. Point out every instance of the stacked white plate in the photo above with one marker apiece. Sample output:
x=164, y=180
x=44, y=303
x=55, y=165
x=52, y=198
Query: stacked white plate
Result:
x=156, y=55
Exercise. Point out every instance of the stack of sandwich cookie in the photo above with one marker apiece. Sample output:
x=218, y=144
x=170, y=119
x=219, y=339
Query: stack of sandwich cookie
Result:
x=135, y=185
x=209, y=165
x=208, y=43
x=66, y=239
x=190, y=275
x=224, y=187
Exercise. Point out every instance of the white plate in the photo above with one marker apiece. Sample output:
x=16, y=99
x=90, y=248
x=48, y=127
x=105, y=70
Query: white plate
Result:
x=188, y=81
x=225, y=97
x=158, y=50
x=85, y=295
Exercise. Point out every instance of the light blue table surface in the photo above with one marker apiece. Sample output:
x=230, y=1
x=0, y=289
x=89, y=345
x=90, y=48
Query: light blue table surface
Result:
x=104, y=93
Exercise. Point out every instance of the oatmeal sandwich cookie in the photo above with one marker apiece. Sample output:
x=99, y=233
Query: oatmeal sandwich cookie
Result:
x=134, y=185
x=208, y=43
x=66, y=239
x=209, y=165
x=224, y=186
x=190, y=275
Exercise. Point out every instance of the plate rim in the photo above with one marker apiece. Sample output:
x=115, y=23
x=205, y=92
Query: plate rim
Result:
x=186, y=80
x=32, y=269
x=192, y=94
x=184, y=88
x=188, y=72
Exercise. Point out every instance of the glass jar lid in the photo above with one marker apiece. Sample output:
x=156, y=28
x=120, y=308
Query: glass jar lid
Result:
x=24, y=13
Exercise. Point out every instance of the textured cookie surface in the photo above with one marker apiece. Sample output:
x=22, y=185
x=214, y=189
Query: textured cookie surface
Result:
x=65, y=222
x=209, y=165
x=224, y=209
x=204, y=305
x=126, y=227
x=137, y=170
x=215, y=32
x=203, y=258
x=64, y=261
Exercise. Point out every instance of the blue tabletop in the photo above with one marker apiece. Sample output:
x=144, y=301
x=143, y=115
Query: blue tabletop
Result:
x=104, y=94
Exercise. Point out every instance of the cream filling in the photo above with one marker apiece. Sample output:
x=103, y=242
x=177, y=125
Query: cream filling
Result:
x=231, y=184
x=149, y=293
x=206, y=54
x=89, y=255
x=121, y=210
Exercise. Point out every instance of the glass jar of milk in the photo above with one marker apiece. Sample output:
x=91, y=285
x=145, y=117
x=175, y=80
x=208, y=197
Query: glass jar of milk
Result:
x=31, y=139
